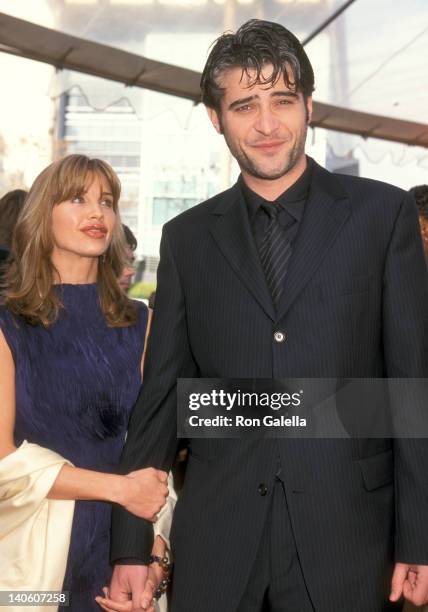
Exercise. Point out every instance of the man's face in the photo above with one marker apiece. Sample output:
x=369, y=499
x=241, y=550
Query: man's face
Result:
x=125, y=280
x=424, y=231
x=264, y=126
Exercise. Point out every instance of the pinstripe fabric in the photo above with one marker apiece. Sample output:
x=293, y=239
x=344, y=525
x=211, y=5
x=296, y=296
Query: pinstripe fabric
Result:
x=353, y=305
x=276, y=583
x=275, y=252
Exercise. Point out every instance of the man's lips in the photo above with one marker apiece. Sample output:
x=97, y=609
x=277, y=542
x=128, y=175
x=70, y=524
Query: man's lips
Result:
x=268, y=146
x=95, y=231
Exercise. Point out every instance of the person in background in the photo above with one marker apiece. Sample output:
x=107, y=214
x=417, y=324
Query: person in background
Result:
x=420, y=194
x=125, y=279
x=71, y=347
x=10, y=207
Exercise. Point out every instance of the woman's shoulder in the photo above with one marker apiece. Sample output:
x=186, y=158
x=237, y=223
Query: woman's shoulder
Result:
x=11, y=326
x=141, y=307
x=142, y=313
x=7, y=318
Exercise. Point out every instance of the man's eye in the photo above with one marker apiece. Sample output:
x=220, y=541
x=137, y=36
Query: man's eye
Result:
x=244, y=108
x=285, y=102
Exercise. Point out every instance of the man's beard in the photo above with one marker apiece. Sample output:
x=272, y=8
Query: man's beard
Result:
x=251, y=167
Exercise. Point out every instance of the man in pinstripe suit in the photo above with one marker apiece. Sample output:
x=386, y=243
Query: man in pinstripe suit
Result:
x=283, y=525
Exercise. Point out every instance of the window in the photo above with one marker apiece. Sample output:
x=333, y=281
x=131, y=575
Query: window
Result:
x=165, y=209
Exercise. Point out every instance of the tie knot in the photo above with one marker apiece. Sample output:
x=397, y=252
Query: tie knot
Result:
x=271, y=209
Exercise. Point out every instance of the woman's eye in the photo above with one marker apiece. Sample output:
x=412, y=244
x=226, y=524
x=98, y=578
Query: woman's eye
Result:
x=77, y=200
x=107, y=202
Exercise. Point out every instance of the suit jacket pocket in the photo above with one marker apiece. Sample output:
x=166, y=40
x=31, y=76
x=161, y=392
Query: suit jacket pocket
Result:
x=378, y=470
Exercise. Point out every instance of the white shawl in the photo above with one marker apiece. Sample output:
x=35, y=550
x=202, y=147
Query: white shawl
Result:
x=34, y=531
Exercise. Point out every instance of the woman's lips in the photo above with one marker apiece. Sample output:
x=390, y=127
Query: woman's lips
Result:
x=95, y=232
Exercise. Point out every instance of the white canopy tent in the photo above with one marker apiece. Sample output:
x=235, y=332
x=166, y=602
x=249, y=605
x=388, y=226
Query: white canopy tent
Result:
x=67, y=52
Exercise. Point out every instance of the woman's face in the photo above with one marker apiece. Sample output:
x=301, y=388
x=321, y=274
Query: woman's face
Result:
x=83, y=225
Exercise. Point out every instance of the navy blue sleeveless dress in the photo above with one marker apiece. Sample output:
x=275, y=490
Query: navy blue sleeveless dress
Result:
x=76, y=383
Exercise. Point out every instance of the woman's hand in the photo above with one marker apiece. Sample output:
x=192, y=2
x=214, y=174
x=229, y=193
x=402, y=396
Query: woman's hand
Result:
x=144, y=492
x=156, y=573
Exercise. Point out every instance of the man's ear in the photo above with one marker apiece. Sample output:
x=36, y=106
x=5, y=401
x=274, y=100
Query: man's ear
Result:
x=215, y=119
x=309, y=108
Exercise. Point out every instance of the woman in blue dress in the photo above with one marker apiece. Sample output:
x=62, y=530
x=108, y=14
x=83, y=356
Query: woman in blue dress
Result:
x=71, y=348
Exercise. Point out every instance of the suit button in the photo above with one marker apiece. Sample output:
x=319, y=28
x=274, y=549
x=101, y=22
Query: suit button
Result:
x=279, y=336
x=262, y=489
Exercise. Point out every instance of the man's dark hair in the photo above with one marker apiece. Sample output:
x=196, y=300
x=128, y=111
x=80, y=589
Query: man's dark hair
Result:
x=420, y=193
x=10, y=206
x=256, y=44
x=131, y=240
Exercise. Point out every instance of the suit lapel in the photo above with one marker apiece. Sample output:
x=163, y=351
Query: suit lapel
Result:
x=232, y=232
x=326, y=211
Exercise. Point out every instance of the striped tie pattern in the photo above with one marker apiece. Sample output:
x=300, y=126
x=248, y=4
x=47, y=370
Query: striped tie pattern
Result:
x=275, y=252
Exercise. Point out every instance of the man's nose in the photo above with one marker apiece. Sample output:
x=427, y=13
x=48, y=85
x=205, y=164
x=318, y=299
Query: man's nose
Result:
x=266, y=122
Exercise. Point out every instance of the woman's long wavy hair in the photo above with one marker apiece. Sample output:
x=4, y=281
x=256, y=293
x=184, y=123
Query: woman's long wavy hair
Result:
x=29, y=284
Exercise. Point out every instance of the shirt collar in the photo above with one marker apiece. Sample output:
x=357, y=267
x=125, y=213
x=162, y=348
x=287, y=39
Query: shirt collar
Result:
x=292, y=199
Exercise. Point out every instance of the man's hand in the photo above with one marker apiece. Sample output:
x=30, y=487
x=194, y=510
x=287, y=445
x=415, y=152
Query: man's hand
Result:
x=128, y=581
x=411, y=582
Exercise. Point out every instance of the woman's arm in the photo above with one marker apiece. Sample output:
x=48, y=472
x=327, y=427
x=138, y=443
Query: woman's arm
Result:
x=163, y=525
x=146, y=339
x=7, y=398
x=142, y=492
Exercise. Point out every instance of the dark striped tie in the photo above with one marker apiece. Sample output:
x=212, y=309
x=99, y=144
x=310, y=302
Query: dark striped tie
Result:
x=275, y=252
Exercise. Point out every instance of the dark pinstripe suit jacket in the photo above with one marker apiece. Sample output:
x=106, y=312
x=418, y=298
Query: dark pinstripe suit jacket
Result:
x=354, y=305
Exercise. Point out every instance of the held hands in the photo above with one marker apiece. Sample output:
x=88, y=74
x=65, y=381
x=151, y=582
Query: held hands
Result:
x=137, y=581
x=145, y=492
x=411, y=582
x=129, y=591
